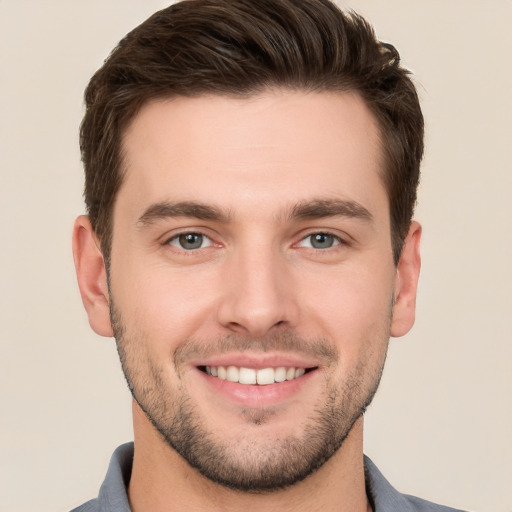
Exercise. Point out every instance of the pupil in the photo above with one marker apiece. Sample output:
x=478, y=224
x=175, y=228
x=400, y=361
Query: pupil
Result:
x=191, y=241
x=321, y=241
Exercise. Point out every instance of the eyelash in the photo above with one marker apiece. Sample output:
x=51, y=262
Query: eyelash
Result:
x=177, y=237
x=336, y=241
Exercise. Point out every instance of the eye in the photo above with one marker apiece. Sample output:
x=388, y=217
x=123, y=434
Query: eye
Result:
x=320, y=241
x=190, y=241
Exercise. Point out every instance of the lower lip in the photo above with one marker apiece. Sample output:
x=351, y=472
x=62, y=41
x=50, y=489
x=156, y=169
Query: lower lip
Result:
x=257, y=396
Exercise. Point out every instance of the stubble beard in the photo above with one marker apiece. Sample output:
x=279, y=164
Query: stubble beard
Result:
x=247, y=465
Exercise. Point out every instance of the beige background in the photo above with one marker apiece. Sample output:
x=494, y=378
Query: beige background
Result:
x=441, y=423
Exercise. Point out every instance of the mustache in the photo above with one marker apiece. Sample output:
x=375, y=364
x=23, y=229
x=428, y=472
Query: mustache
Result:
x=287, y=342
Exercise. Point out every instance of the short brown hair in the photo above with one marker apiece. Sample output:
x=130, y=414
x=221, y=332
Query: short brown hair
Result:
x=242, y=48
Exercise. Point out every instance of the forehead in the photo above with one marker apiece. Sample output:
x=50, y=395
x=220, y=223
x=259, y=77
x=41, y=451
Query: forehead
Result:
x=269, y=149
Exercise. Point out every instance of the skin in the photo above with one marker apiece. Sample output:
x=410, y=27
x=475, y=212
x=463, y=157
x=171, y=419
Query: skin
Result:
x=268, y=172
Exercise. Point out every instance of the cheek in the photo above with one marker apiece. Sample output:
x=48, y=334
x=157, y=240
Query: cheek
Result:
x=349, y=299
x=352, y=311
x=162, y=303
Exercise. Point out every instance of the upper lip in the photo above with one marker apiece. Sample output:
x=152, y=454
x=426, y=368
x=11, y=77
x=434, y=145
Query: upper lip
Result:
x=258, y=361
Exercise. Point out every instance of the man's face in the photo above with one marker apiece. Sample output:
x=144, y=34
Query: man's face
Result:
x=251, y=242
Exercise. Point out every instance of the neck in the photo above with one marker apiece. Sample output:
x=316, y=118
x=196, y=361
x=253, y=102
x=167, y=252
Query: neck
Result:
x=162, y=481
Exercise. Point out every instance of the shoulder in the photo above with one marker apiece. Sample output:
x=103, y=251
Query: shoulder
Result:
x=112, y=496
x=419, y=505
x=385, y=498
x=90, y=506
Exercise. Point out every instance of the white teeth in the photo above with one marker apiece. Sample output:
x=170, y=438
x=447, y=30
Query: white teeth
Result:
x=290, y=374
x=232, y=374
x=280, y=374
x=263, y=376
x=247, y=376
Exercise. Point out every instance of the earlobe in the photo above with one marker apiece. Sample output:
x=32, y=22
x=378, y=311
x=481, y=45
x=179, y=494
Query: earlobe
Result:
x=92, y=276
x=406, y=284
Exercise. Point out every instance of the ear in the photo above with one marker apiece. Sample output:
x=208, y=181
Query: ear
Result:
x=406, y=284
x=92, y=276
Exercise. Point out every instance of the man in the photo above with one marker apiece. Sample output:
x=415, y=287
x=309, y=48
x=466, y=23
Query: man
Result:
x=251, y=174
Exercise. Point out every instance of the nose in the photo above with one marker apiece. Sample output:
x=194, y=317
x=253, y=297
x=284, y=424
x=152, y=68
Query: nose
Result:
x=258, y=294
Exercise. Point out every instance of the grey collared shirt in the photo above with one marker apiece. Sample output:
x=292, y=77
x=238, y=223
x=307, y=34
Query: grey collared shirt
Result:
x=384, y=498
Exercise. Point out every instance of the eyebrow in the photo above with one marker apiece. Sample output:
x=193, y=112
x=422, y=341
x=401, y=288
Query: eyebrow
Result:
x=165, y=209
x=306, y=210
x=321, y=208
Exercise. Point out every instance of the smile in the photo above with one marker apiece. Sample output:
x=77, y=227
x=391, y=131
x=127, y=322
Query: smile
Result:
x=250, y=376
